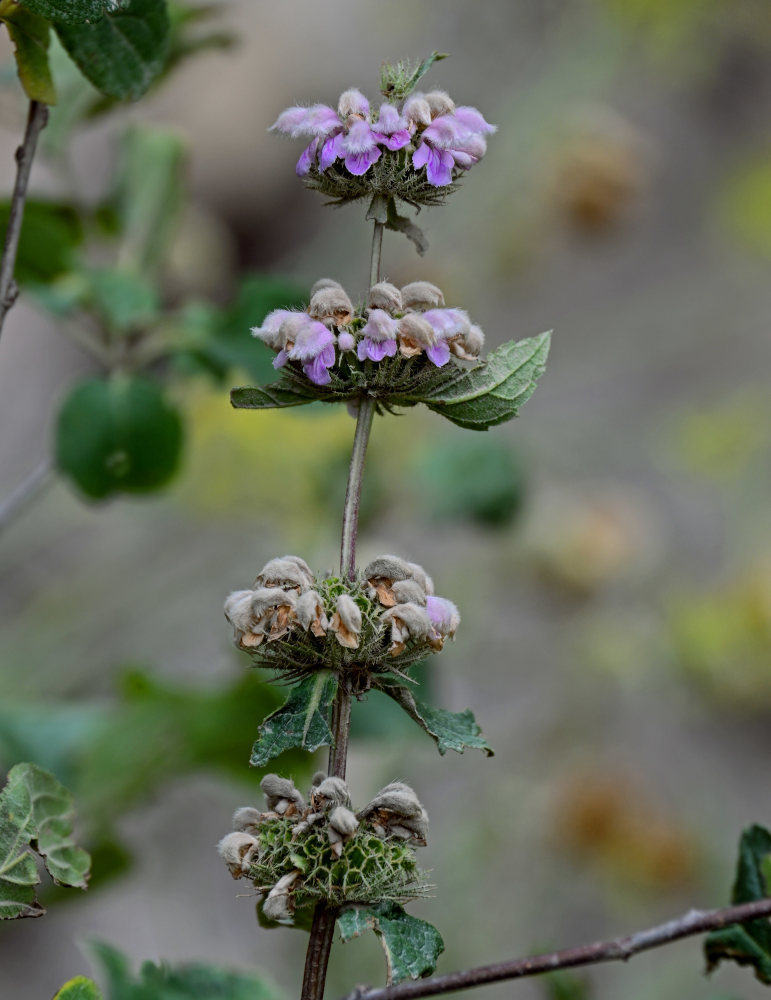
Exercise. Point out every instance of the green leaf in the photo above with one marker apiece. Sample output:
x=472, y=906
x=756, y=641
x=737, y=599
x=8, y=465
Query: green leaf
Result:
x=30, y=35
x=411, y=946
x=301, y=722
x=449, y=730
x=402, y=224
x=73, y=11
x=79, y=988
x=123, y=299
x=50, y=233
x=36, y=812
x=748, y=943
x=123, y=52
x=254, y=397
x=423, y=68
x=148, y=196
x=184, y=982
x=119, y=435
x=492, y=393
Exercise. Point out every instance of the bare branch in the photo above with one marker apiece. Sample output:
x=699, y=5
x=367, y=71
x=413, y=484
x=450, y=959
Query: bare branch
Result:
x=36, y=121
x=619, y=949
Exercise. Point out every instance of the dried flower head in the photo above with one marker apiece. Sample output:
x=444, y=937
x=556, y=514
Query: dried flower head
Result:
x=346, y=621
x=237, y=851
x=408, y=621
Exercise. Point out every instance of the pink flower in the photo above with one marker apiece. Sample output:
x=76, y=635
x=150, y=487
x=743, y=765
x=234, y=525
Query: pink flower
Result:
x=379, y=336
x=391, y=129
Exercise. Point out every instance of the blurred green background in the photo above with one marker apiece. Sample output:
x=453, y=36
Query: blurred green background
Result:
x=610, y=551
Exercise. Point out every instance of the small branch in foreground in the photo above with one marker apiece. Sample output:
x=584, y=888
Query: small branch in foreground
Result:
x=619, y=949
x=36, y=121
x=26, y=491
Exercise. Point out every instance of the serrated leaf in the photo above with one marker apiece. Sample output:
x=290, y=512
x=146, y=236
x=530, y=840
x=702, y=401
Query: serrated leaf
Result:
x=411, y=946
x=301, y=722
x=748, y=943
x=493, y=392
x=30, y=35
x=449, y=730
x=266, y=397
x=79, y=988
x=118, y=435
x=73, y=11
x=196, y=981
x=36, y=813
x=123, y=52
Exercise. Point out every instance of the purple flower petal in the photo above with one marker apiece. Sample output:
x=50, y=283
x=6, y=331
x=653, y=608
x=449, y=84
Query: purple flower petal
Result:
x=331, y=151
x=280, y=359
x=393, y=142
x=380, y=326
x=316, y=371
x=439, y=167
x=306, y=159
x=389, y=120
x=291, y=121
x=376, y=350
x=445, y=132
x=361, y=162
x=472, y=119
x=322, y=121
x=439, y=354
x=359, y=139
x=311, y=342
x=421, y=155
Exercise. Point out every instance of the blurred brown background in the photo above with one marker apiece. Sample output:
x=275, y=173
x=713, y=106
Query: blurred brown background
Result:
x=616, y=635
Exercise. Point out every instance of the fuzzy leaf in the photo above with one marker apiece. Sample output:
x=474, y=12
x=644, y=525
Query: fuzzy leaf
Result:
x=301, y=722
x=123, y=52
x=411, y=946
x=748, y=943
x=402, y=224
x=36, y=812
x=183, y=982
x=73, y=11
x=492, y=393
x=119, y=435
x=30, y=36
x=255, y=397
x=422, y=69
x=79, y=988
x=449, y=730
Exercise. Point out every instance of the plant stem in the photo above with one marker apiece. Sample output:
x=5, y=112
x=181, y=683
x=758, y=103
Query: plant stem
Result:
x=325, y=916
x=27, y=489
x=621, y=949
x=36, y=121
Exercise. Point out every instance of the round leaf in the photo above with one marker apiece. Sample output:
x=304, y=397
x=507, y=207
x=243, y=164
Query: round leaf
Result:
x=118, y=436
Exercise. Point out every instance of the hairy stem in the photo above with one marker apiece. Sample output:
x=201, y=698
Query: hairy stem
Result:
x=324, y=917
x=619, y=949
x=36, y=121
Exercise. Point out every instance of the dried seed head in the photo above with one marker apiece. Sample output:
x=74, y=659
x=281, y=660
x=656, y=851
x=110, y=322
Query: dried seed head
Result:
x=238, y=610
x=247, y=819
x=310, y=613
x=417, y=110
x=415, y=335
x=352, y=102
x=331, y=305
x=281, y=795
x=385, y=296
x=440, y=103
x=279, y=904
x=346, y=622
x=408, y=621
x=329, y=793
x=285, y=572
x=235, y=849
x=409, y=591
x=422, y=295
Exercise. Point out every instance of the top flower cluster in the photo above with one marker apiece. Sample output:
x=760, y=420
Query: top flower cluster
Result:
x=443, y=138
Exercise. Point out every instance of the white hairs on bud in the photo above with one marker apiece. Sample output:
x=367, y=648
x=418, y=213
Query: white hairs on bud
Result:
x=331, y=304
x=330, y=792
x=388, y=567
x=352, y=102
x=415, y=334
x=325, y=283
x=246, y=819
x=267, y=599
x=440, y=103
x=279, y=904
x=408, y=621
x=396, y=811
x=235, y=850
x=422, y=295
x=408, y=591
x=310, y=613
x=417, y=110
x=418, y=573
x=385, y=296
x=238, y=610
x=346, y=621
x=291, y=328
x=281, y=793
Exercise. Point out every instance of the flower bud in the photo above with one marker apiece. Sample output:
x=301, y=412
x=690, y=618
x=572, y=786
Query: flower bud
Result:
x=381, y=573
x=331, y=305
x=469, y=344
x=346, y=341
x=408, y=621
x=417, y=110
x=270, y=331
x=330, y=792
x=325, y=283
x=418, y=573
x=342, y=825
x=247, y=819
x=287, y=572
x=310, y=613
x=281, y=795
x=409, y=591
x=273, y=611
x=444, y=617
x=279, y=904
x=236, y=850
x=396, y=811
x=346, y=622
x=238, y=610
x=440, y=103
x=385, y=296
x=352, y=102
x=291, y=328
x=415, y=335
x=422, y=295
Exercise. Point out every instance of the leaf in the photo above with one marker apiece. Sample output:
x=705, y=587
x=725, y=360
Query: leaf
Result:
x=401, y=224
x=411, y=946
x=196, y=981
x=123, y=299
x=30, y=35
x=148, y=196
x=748, y=943
x=79, y=988
x=492, y=393
x=449, y=730
x=50, y=233
x=301, y=722
x=123, y=52
x=118, y=435
x=254, y=397
x=423, y=68
x=73, y=11
x=36, y=812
